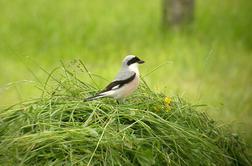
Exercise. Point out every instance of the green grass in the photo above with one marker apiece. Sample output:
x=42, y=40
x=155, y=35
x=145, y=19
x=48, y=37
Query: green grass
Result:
x=211, y=59
x=59, y=128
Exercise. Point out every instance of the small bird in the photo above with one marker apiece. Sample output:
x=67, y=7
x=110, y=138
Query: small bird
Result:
x=126, y=81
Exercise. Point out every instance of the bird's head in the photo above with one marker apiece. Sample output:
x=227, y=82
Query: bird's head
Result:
x=132, y=60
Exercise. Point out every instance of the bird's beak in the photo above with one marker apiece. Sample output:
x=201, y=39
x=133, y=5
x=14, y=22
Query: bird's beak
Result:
x=140, y=62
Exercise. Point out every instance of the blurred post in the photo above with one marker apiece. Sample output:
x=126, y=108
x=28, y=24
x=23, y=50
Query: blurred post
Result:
x=177, y=12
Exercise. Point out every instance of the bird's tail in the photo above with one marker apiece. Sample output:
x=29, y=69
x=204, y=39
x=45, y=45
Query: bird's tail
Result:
x=94, y=97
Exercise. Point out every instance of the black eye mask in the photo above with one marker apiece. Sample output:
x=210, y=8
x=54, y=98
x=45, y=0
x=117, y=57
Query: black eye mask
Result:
x=134, y=60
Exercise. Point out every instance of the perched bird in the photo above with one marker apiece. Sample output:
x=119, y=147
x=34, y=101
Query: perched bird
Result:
x=126, y=81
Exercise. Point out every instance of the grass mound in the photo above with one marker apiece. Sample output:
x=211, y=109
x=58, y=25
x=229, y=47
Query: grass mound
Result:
x=146, y=129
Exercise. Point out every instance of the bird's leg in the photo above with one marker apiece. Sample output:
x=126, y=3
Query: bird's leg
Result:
x=119, y=101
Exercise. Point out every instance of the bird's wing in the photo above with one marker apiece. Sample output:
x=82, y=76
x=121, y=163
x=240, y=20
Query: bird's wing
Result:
x=117, y=83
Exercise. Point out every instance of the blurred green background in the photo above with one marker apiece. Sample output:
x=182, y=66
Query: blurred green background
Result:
x=209, y=60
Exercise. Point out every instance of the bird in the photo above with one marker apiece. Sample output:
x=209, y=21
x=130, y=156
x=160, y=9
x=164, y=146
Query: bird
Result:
x=125, y=82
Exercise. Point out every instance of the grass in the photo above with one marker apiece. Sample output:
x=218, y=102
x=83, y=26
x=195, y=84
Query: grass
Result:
x=146, y=129
x=210, y=59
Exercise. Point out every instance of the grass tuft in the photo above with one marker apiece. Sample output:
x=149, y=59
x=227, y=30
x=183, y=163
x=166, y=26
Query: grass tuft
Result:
x=146, y=129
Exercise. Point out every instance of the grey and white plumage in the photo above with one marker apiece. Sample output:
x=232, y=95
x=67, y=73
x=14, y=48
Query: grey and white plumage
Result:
x=125, y=82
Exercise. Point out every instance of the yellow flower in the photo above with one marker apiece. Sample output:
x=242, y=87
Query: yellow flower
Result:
x=167, y=100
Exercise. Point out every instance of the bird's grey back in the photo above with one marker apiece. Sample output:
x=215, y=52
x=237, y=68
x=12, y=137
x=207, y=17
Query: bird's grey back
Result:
x=124, y=73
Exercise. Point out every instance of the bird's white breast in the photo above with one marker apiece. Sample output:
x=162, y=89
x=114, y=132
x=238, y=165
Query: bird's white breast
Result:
x=127, y=89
